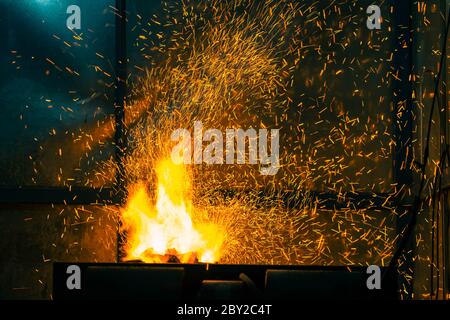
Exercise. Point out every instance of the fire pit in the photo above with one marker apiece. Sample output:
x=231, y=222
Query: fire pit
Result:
x=202, y=282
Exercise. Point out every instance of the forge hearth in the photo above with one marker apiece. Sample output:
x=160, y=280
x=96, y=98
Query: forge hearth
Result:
x=169, y=257
x=202, y=282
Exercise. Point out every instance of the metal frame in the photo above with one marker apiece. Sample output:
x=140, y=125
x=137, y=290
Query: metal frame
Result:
x=58, y=195
x=121, y=90
x=402, y=152
x=82, y=195
x=445, y=132
x=85, y=195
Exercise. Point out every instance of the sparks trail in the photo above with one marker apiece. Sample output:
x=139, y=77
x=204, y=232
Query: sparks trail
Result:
x=236, y=64
x=271, y=64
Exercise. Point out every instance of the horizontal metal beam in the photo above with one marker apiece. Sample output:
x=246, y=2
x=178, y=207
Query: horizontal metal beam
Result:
x=58, y=195
x=323, y=200
x=84, y=195
x=353, y=200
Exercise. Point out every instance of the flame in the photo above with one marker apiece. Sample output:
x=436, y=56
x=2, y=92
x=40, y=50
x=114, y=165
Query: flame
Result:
x=155, y=233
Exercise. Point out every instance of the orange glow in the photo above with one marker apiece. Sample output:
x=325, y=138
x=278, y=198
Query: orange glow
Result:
x=160, y=232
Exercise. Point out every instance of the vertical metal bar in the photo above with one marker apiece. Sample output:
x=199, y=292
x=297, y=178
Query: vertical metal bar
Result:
x=403, y=126
x=6, y=33
x=442, y=147
x=120, y=102
x=444, y=120
x=402, y=118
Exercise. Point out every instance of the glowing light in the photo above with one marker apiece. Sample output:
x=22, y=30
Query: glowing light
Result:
x=157, y=232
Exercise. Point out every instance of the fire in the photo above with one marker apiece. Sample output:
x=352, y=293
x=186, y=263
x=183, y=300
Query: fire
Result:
x=165, y=231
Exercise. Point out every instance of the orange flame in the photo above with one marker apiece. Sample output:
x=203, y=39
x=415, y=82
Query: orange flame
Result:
x=154, y=232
